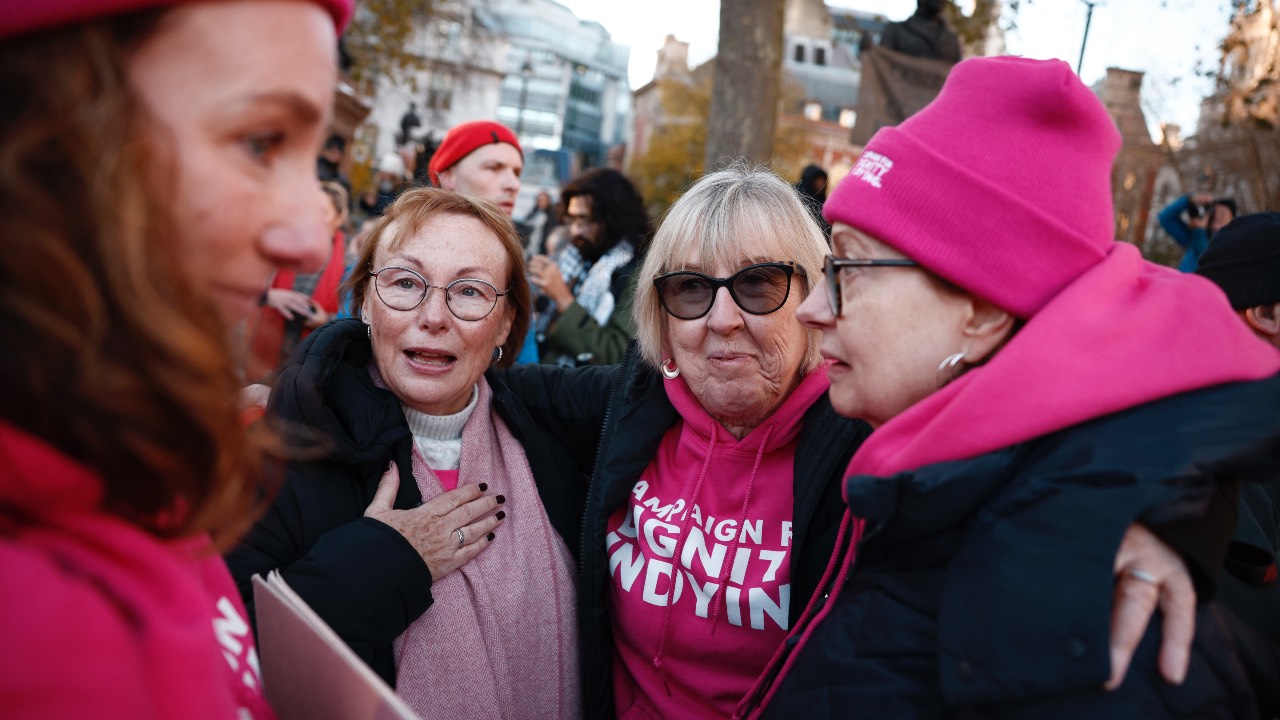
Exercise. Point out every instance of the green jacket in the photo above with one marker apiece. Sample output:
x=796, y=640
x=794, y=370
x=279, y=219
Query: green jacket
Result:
x=575, y=332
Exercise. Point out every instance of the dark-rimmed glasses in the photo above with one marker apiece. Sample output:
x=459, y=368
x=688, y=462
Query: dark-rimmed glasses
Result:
x=832, y=266
x=468, y=299
x=758, y=289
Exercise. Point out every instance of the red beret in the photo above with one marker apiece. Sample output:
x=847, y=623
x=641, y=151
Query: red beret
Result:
x=463, y=140
x=26, y=16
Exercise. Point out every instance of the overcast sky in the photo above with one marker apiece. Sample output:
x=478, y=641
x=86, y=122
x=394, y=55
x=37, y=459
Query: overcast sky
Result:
x=1168, y=39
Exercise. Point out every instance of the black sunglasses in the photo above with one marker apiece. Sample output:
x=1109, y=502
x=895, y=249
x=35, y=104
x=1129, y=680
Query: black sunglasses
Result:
x=832, y=266
x=758, y=289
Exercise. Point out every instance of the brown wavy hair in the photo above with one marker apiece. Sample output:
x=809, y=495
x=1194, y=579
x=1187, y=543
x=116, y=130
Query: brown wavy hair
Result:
x=411, y=211
x=108, y=355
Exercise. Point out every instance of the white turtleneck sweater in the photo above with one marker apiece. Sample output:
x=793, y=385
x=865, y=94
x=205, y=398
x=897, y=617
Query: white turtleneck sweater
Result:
x=439, y=437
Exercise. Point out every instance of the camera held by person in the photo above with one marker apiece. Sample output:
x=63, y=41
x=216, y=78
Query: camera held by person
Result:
x=1192, y=219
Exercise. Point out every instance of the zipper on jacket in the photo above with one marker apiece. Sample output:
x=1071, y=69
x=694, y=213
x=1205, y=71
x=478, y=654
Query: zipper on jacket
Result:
x=624, y=370
x=587, y=627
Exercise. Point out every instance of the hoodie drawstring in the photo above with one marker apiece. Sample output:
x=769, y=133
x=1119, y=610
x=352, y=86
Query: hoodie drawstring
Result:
x=675, y=561
x=737, y=537
x=731, y=557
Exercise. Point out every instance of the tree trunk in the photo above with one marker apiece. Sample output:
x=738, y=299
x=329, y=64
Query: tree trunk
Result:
x=748, y=75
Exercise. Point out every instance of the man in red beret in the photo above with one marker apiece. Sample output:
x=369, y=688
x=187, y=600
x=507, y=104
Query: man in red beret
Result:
x=482, y=159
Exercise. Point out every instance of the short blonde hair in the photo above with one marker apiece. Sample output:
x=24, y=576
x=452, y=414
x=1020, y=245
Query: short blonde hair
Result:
x=708, y=223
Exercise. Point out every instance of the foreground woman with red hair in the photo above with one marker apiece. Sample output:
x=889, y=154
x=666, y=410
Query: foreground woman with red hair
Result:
x=156, y=168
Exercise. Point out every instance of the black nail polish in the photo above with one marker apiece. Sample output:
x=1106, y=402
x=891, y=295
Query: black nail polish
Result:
x=501, y=514
x=489, y=537
x=484, y=486
x=502, y=499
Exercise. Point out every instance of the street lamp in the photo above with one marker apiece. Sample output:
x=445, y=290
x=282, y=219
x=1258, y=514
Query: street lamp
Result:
x=1087, y=18
x=526, y=71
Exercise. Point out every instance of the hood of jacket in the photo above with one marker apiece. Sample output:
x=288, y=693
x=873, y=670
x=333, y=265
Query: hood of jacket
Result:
x=325, y=402
x=1123, y=334
x=780, y=428
x=39, y=480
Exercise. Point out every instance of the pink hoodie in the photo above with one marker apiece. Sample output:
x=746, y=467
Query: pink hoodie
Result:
x=723, y=507
x=101, y=619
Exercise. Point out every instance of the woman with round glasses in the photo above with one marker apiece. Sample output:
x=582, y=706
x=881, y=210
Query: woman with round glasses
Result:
x=420, y=530
x=1036, y=389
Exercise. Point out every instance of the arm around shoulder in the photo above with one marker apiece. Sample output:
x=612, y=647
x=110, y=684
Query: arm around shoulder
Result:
x=1170, y=219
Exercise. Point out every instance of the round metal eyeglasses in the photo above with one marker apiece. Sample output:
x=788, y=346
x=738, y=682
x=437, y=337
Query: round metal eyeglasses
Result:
x=758, y=289
x=832, y=266
x=468, y=299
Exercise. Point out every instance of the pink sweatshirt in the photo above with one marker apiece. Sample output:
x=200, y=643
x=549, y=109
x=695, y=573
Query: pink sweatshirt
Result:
x=101, y=619
x=690, y=647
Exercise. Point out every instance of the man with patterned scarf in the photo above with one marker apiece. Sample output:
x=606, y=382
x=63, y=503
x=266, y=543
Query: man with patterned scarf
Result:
x=584, y=314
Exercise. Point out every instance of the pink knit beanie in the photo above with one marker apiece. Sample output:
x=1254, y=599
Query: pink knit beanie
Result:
x=19, y=17
x=1001, y=185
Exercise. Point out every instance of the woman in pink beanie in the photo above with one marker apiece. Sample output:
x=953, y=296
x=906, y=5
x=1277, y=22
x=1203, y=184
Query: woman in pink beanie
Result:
x=156, y=168
x=1036, y=388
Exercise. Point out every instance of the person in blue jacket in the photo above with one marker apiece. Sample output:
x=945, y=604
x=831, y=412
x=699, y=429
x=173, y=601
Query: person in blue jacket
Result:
x=1204, y=217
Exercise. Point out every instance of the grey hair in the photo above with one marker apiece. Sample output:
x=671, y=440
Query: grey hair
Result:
x=706, y=226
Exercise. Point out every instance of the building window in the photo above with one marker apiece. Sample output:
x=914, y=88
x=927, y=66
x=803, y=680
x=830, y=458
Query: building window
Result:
x=813, y=110
x=848, y=116
x=819, y=56
x=440, y=94
x=799, y=53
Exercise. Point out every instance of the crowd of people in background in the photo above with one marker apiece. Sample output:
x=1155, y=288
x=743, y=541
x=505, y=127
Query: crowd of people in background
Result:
x=883, y=446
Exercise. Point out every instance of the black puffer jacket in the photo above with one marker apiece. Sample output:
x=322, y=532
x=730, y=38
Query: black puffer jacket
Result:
x=983, y=588
x=624, y=409
x=359, y=574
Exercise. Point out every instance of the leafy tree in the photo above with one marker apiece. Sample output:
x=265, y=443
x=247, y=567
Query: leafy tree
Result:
x=381, y=39
x=675, y=155
x=972, y=28
x=1237, y=142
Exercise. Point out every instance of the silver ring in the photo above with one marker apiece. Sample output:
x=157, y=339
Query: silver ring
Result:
x=461, y=537
x=1144, y=576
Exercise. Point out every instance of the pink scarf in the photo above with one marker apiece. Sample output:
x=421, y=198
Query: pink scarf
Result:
x=1124, y=333
x=501, y=639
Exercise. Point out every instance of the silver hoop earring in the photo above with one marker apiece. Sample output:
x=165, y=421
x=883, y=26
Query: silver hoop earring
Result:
x=368, y=330
x=498, y=358
x=950, y=368
x=669, y=369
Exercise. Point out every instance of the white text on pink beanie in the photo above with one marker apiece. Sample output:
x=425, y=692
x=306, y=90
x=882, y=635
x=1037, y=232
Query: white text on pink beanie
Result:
x=1001, y=185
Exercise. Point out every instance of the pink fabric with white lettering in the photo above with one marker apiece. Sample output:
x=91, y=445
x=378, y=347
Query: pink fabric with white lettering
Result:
x=724, y=507
x=101, y=619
